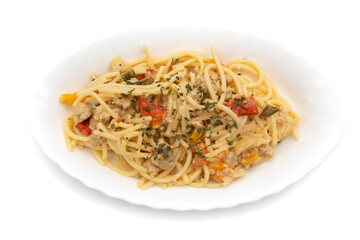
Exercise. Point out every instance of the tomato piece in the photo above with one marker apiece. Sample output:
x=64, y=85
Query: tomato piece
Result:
x=142, y=76
x=221, y=156
x=83, y=127
x=152, y=71
x=243, y=106
x=148, y=108
x=218, y=176
x=198, y=160
x=206, y=122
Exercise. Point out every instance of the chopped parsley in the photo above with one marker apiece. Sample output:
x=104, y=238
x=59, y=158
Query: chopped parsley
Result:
x=188, y=88
x=215, y=123
x=173, y=62
x=128, y=94
x=239, y=101
x=208, y=106
x=230, y=142
x=176, y=137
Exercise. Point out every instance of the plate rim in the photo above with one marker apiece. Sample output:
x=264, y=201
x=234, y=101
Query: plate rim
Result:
x=32, y=116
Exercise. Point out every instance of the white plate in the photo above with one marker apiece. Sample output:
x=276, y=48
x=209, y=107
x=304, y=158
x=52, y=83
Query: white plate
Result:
x=320, y=127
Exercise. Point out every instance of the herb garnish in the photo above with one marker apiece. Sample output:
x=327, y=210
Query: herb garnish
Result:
x=188, y=88
x=230, y=142
x=129, y=93
x=208, y=106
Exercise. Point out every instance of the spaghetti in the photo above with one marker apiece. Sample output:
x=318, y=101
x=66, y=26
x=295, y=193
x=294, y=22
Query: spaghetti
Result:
x=182, y=119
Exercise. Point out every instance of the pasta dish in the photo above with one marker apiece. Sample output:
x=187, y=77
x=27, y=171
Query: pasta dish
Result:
x=181, y=119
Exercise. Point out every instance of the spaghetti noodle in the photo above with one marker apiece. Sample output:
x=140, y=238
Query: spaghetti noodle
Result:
x=182, y=119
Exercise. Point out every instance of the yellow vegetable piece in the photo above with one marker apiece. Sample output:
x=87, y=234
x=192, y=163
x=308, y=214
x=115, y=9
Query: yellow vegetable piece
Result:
x=219, y=166
x=213, y=61
x=249, y=159
x=195, y=136
x=68, y=98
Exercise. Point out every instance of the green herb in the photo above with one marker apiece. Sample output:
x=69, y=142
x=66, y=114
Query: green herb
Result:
x=144, y=81
x=190, y=132
x=112, y=126
x=208, y=106
x=170, y=91
x=205, y=129
x=203, y=99
x=240, y=101
x=188, y=89
x=215, y=123
x=136, y=110
x=163, y=150
x=129, y=93
x=199, y=152
x=268, y=111
x=230, y=142
x=194, y=145
x=176, y=147
x=176, y=61
x=128, y=75
x=157, y=132
x=176, y=137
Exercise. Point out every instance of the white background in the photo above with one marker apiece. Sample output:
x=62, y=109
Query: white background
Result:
x=39, y=201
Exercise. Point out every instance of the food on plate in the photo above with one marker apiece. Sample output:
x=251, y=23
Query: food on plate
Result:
x=181, y=119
